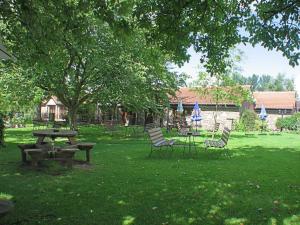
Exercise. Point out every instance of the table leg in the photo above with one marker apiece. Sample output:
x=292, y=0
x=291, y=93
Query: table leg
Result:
x=190, y=144
x=87, y=152
x=40, y=139
x=24, y=156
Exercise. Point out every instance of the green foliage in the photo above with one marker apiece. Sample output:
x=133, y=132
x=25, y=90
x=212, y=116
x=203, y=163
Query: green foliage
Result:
x=2, y=127
x=17, y=93
x=289, y=122
x=73, y=52
x=248, y=120
x=214, y=27
x=222, y=89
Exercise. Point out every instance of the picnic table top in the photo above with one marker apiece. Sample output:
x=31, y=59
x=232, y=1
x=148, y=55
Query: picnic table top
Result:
x=54, y=133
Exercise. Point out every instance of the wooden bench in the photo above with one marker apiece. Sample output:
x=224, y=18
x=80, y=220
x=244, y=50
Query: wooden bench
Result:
x=87, y=147
x=36, y=155
x=66, y=155
x=157, y=139
x=221, y=143
x=23, y=153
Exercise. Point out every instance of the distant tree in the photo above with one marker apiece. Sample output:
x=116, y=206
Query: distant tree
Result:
x=221, y=89
x=266, y=82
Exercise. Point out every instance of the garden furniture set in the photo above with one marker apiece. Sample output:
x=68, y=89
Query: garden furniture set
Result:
x=159, y=141
x=44, y=150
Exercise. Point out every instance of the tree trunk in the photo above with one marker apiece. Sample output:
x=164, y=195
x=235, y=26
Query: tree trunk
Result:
x=38, y=112
x=73, y=117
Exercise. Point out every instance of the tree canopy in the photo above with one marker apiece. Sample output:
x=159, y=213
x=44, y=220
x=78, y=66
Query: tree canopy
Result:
x=213, y=27
x=80, y=50
x=67, y=50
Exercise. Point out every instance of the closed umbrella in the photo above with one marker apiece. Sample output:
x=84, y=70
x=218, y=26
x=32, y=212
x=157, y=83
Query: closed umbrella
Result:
x=196, y=114
x=263, y=116
x=180, y=109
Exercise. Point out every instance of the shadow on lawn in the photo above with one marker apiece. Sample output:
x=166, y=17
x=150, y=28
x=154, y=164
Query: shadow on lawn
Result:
x=219, y=154
x=212, y=202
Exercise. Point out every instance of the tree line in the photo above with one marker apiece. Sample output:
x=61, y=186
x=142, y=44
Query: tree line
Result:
x=265, y=82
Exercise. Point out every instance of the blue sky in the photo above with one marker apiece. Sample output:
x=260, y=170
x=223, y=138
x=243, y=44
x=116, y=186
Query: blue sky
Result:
x=256, y=60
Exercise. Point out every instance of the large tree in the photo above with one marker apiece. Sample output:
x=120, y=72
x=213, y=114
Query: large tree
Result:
x=68, y=50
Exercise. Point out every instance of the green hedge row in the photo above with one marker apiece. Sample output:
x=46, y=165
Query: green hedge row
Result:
x=289, y=123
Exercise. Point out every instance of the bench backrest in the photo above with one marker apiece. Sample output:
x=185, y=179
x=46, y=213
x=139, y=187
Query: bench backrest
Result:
x=149, y=126
x=225, y=135
x=156, y=135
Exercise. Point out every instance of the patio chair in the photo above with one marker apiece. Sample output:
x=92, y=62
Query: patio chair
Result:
x=182, y=131
x=215, y=129
x=149, y=126
x=158, y=141
x=221, y=143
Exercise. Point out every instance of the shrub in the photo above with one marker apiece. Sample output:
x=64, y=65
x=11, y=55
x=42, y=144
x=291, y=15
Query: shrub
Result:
x=289, y=123
x=248, y=120
x=239, y=126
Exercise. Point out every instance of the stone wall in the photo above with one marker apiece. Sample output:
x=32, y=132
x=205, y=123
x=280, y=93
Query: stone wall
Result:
x=225, y=119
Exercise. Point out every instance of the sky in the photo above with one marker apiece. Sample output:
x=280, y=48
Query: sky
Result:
x=255, y=60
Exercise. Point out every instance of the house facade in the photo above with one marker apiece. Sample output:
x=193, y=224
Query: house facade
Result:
x=53, y=110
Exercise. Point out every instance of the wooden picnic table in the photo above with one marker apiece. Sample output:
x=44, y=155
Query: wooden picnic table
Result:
x=55, y=133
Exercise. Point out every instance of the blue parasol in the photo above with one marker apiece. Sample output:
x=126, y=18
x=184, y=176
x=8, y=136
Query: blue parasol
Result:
x=263, y=114
x=196, y=114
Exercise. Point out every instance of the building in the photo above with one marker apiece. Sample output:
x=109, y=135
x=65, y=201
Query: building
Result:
x=53, y=109
x=277, y=104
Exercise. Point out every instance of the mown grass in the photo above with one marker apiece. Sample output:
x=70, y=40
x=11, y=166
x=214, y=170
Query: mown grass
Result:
x=258, y=184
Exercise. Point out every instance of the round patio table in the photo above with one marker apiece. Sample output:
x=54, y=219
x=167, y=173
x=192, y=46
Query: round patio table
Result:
x=55, y=133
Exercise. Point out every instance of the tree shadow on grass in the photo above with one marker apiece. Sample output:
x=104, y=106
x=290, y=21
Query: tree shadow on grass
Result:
x=202, y=154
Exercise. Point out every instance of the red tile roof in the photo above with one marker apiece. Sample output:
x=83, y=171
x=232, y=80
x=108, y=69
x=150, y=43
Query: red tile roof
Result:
x=270, y=99
x=190, y=96
x=275, y=99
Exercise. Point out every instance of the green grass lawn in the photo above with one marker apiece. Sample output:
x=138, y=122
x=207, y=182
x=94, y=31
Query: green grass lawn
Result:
x=258, y=184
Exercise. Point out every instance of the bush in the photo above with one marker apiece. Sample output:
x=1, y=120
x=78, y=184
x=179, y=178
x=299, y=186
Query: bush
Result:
x=289, y=123
x=248, y=120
